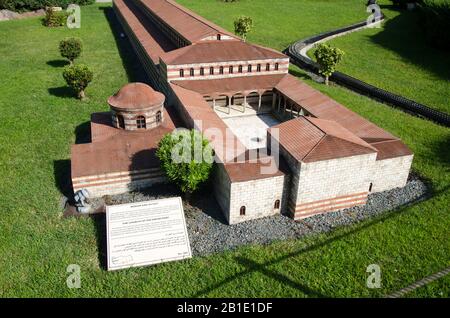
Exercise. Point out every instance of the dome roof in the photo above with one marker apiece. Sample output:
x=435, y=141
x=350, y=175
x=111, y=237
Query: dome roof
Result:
x=136, y=96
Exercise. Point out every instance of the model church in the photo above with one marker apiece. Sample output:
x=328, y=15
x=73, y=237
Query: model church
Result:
x=241, y=97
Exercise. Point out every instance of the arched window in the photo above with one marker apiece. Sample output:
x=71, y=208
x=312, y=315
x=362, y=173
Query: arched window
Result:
x=211, y=70
x=140, y=122
x=230, y=70
x=221, y=70
x=202, y=71
x=249, y=68
x=181, y=73
x=158, y=116
x=258, y=68
x=267, y=67
x=219, y=37
x=240, y=69
x=277, y=66
x=191, y=72
x=242, y=211
x=121, y=121
x=276, y=206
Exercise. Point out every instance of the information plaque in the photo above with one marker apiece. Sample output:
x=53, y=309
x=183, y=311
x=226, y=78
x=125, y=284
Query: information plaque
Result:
x=145, y=233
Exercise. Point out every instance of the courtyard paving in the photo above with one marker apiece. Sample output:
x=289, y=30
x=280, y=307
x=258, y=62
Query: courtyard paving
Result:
x=249, y=127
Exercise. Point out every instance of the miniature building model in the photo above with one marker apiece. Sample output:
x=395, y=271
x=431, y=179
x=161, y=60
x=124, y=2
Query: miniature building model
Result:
x=121, y=155
x=330, y=157
x=136, y=106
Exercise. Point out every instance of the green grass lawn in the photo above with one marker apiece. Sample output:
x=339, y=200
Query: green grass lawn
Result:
x=396, y=57
x=38, y=123
x=279, y=23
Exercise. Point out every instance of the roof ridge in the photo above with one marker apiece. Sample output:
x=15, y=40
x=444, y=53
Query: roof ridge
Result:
x=320, y=141
x=195, y=16
x=386, y=140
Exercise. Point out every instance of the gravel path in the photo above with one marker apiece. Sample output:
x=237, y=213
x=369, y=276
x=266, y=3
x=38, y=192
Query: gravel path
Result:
x=209, y=234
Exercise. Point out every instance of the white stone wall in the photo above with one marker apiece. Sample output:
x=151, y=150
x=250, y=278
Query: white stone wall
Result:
x=258, y=197
x=335, y=178
x=391, y=173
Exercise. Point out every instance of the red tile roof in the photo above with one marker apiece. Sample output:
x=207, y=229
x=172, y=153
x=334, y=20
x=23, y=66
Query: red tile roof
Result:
x=310, y=139
x=220, y=51
x=116, y=150
x=136, y=96
x=322, y=106
x=391, y=149
x=231, y=85
x=188, y=24
x=149, y=36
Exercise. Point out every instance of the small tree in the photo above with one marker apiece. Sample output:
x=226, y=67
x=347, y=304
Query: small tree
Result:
x=54, y=18
x=70, y=48
x=242, y=26
x=328, y=58
x=78, y=78
x=186, y=158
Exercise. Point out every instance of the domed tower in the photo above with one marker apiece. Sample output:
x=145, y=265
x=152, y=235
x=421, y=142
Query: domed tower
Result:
x=136, y=106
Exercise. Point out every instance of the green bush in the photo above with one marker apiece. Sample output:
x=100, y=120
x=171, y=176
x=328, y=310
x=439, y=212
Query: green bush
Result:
x=186, y=158
x=55, y=18
x=242, y=26
x=328, y=58
x=70, y=48
x=29, y=5
x=78, y=78
x=436, y=22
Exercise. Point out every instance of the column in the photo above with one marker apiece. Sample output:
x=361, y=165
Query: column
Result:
x=245, y=103
x=259, y=101
x=214, y=104
x=274, y=99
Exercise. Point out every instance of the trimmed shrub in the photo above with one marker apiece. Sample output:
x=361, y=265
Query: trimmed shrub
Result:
x=328, y=58
x=29, y=5
x=78, y=78
x=186, y=158
x=70, y=48
x=55, y=18
x=436, y=22
x=242, y=26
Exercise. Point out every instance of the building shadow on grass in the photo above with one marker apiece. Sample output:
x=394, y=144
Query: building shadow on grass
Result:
x=99, y=220
x=251, y=266
x=57, y=63
x=62, y=177
x=62, y=91
x=130, y=61
x=83, y=133
x=403, y=34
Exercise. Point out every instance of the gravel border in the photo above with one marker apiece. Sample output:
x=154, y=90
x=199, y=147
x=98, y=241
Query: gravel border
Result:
x=209, y=234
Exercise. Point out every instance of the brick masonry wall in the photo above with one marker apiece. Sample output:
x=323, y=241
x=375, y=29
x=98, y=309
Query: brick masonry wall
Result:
x=130, y=117
x=391, y=173
x=118, y=182
x=331, y=185
x=173, y=71
x=258, y=197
